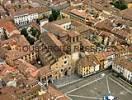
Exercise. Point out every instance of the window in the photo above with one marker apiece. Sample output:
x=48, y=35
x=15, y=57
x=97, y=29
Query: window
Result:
x=61, y=70
x=65, y=57
x=65, y=62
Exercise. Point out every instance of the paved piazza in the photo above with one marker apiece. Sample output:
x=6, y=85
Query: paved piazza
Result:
x=97, y=86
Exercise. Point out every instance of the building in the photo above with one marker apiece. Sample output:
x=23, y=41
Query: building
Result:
x=108, y=38
x=127, y=14
x=87, y=65
x=129, y=3
x=120, y=50
x=52, y=48
x=87, y=46
x=82, y=16
x=129, y=39
x=69, y=38
x=65, y=13
x=28, y=55
x=118, y=27
x=3, y=12
x=58, y=4
x=17, y=47
x=15, y=42
x=28, y=70
x=26, y=15
x=54, y=94
x=105, y=59
x=123, y=66
x=8, y=27
x=63, y=67
x=76, y=3
x=34, y=92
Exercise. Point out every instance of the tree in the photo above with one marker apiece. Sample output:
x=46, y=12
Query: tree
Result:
x=120, y=4
x=55, y=14
x=24, y=32
x=33, y=31
x=31, y=40
x=51, y=18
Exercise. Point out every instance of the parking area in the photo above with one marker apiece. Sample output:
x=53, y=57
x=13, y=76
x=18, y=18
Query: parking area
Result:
x=95, y=87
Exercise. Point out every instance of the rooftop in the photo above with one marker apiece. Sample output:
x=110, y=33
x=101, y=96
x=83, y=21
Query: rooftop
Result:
x=31, y=10
x=89, y=60
x=81, y=13
x=127, y=14
x=125, y=62
x=7, y=25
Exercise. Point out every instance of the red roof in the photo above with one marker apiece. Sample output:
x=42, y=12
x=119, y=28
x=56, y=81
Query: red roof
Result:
x=5, y=69
x=8, y=25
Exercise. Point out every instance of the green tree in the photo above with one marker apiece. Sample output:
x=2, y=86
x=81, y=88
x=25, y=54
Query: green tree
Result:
x=31, y=40
x=55, y=14
x=33, y=31
x=51, y=18
x=120, y=4
x=24, y=32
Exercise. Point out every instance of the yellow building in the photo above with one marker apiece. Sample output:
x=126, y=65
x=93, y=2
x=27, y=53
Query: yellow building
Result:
x=64, y=14
x=87, y=65
x=129, y=5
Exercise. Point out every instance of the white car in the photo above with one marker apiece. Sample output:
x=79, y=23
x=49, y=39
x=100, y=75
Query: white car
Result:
x=109, y=98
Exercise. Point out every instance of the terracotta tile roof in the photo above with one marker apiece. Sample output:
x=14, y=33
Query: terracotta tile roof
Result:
x=103, y=55
x=55, y=2
x=53, y=43
x=8, y=25
x=68, y=10
x=119, y=48
x=87, y=43
x=76, y=1
x=125, y=62
x=128, y=1
x=22, y=11
x=3, y=52
x=106, y=34
x=127, y=14
x=130, y=48
x=56, y=29
x=8, y=93
x=89, y=60
x=73, y=33
x=81, y=13
x=104, y=24
x=17, y=54
x=55, y=93
x=35, y=25
x=26, y=68
x=103, y=5
x=108, y=25
x=59, y=31
x=18, y=40
x=6, y=97
x=55, y=40
x=5, y=69
x=62, y=21
x=45, y=71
